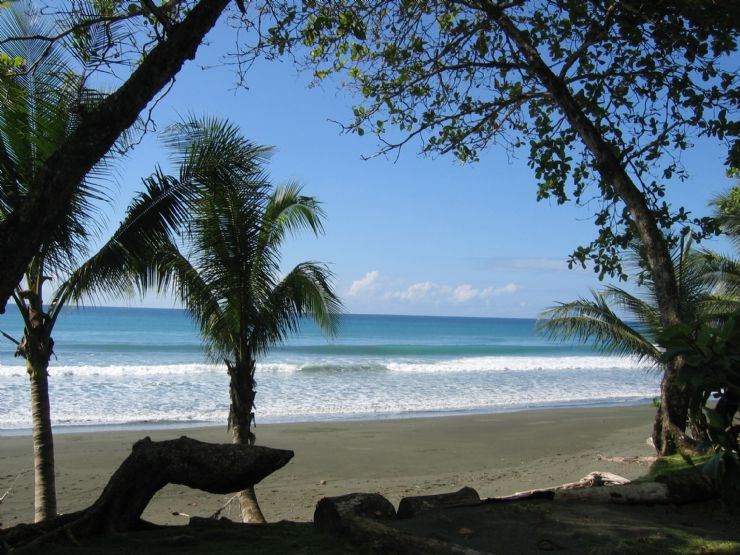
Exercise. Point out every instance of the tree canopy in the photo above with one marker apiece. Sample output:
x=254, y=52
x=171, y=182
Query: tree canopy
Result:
x=561, y=79
x=151, y=42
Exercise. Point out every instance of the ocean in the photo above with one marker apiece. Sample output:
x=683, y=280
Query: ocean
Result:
x=139, y=368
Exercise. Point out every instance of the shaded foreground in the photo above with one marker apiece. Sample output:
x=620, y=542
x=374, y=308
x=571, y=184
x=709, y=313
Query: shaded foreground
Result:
x=533, y=526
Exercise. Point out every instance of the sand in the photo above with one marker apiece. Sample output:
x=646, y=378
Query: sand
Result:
x=495, y=453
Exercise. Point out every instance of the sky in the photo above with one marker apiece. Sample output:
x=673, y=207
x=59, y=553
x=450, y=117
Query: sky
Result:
x=413, y=235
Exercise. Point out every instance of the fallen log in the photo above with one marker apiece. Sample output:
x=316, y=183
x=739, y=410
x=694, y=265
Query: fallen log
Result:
x=334, y=514
x=363, y=518
x=411, y=506
x=641, y=493
x=594, y=479
x=215, y=468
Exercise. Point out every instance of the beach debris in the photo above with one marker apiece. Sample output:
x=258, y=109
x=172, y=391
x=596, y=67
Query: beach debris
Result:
x=594, y=479
x=212, y=467
x=411, y=506
x=225, y=506
x=638, y=460
x=9, y=491
x=332, y=514
x=366, y=519
x=322, y=482
x=464, y=531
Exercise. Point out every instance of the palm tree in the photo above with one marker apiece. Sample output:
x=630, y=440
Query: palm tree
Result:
x=228, y=267
x=39, y=110
x=701, y=277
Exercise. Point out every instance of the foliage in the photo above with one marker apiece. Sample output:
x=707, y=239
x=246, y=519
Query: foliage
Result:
x=462, y=76
x=712, y=370
x=595, y=321
x=228, y=269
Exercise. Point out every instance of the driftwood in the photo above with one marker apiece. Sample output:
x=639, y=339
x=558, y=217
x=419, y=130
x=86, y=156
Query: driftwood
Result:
x=637, y=460
x=333, y=514
x=363, y=518
x=411, y=506
x=640, y=493
x=215, y=468
x=594, y=479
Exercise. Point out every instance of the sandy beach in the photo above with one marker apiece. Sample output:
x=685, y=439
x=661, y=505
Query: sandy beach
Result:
x=495, y=453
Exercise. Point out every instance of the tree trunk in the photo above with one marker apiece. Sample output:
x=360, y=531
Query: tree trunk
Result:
x=668, y=433
x=241, y=415
x=51, y=192
x=45, y=498
x=215, y=468
x=673, y=407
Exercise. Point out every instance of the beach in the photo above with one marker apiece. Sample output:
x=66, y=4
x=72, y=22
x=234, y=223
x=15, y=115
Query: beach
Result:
x=497, y=454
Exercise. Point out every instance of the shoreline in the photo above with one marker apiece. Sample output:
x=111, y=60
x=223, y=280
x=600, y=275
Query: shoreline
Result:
x=496, y=453
x=146, y=426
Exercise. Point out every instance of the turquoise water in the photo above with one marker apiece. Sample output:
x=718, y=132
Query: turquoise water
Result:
x=141, y=367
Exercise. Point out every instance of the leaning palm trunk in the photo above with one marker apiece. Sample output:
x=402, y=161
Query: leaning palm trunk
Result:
x=45, y=501
x=241, y=415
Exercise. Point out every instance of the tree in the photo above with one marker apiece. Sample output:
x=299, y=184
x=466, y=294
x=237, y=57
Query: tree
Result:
x=703, y=299
x=158, y=41
x=604, y=94
x=228, y=269
x=39, y=112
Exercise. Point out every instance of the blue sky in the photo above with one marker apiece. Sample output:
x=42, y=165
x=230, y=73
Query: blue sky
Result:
x=412, y=236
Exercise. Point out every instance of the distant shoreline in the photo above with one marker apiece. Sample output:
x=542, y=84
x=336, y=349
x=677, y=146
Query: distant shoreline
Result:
x=64, y=429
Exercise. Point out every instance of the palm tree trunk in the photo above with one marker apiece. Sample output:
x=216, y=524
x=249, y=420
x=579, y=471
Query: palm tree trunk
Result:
x=241, y=414
x=45, y=498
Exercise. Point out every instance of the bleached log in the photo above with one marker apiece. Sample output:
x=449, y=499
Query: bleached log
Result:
x=594, y=479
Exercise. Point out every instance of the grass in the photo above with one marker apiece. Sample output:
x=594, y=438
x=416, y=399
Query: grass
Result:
x=673, y=464
x=675, y=541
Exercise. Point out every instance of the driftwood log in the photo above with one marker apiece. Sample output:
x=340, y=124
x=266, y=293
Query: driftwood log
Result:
x=594, y=479
x=215, y=468
x=411, y=506
x=363, y=518
x=334, y=514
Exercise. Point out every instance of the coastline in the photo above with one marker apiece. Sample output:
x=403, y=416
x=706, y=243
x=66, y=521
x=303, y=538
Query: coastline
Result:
x=496, y=453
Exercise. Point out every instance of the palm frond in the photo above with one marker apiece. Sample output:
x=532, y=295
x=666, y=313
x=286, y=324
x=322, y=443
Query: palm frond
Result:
x=128, y=260
x=592, y=321
x=305, y=291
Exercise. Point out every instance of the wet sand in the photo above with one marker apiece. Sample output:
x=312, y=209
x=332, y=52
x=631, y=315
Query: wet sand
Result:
x=497, y=454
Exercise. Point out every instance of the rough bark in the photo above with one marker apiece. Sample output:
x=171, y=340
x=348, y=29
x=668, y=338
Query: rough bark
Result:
x=215, y=468
x=335, y=514
x=411, y=506
x=673, y=412
x=50, y=193
x=241, y=415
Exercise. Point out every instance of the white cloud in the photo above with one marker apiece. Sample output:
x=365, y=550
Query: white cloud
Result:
x=416, y=292
x=507, y=289
x=464, y=292
x=365, y=283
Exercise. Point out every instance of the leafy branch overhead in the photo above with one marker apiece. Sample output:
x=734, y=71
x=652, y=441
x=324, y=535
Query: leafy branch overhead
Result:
x=461, y=76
